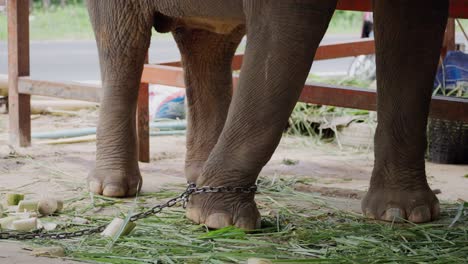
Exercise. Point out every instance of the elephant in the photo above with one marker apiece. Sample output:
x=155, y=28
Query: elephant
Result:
x=232, y=135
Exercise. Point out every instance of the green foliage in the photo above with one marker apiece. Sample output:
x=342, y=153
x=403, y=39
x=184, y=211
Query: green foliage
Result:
x=38, y=4
x=348, y=22
x=70, y=23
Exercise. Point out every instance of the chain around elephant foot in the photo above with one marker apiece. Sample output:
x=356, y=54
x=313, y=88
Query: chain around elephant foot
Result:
x=218, y=210
x=418, y=206
x=114, y=182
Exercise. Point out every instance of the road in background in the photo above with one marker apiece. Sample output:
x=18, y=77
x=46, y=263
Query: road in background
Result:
x=78, y=60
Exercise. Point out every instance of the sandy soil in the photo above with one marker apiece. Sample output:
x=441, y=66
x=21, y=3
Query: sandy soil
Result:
x=61, y=169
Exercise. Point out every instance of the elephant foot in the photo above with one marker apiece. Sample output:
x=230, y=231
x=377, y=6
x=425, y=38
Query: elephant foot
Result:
x=114, y=182
x=417, y=206
x=218, y=210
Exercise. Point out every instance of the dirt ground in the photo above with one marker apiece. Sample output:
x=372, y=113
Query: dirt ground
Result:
x=61, y=170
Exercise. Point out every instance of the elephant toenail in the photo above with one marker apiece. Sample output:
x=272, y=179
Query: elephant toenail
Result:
x=218, y=220
x=193, y=214
x=95, y=187
x=420, y=214
x=248, y=223
x=394, y=215
x=113, y=191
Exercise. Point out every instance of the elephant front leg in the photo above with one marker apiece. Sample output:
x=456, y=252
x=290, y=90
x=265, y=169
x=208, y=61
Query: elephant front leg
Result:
x=122, y=35
x=207, y=59
x=281, y=42
x=408, y=38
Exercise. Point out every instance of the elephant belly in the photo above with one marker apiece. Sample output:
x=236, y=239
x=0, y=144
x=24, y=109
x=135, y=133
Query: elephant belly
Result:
x=212, y=15
x=210, y=24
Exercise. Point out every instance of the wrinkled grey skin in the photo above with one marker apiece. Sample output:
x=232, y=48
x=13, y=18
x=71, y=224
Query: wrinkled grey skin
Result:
x=232, y=136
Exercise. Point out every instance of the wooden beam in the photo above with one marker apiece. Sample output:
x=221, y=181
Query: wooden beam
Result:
x=345, y=49
x=324, y=52
x=442, y=107
x=143, y=131
x=65, y=90
x=351, y=97
x=450, y=108
x=18, y=65
x=327, y=51
x=237, y=62
x=324, y=94
x=165, y=75
x=355, y=5
x=457, y=8
x=171, y=63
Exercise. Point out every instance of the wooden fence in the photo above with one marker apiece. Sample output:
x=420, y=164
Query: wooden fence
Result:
x=21, y=87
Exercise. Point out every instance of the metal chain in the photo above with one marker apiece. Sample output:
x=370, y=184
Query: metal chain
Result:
x=192, y=189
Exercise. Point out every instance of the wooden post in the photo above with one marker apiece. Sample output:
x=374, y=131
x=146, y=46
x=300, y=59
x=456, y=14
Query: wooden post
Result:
x=449, y=38
x=143, y=122
x=18, y=65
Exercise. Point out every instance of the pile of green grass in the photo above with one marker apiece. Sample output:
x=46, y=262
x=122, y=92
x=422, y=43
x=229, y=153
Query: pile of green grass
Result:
x=307, y=119
x=297, y=227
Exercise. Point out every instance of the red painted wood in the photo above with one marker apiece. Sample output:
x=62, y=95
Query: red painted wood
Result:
x=18, y=65
x=143, y=131
x=355, y=5
x=457, y=9
x=323, y=94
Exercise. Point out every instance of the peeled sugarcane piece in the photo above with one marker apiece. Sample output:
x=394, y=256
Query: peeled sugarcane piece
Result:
x=113, y=228
x=6, y=223
x=14, y=198
x=48, y=226
x=56, y=252
x=47, y=206
x=258, y=261
x=27, y=206
x=25, y=225
x=24, y=215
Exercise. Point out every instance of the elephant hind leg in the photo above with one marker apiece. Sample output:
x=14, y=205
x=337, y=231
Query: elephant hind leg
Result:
x=207, y=59
x=122, y=50
x=408, y=37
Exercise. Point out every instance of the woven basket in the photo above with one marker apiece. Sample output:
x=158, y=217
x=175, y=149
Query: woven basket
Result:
x=448, y=141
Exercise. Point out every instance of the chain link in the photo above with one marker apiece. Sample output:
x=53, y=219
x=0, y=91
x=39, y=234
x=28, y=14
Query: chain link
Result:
x=183, y=198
